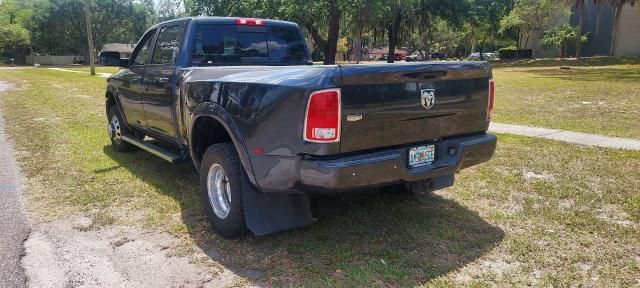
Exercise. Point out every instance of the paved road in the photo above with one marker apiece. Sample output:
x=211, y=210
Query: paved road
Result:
x=567, y=136
x=14, y=227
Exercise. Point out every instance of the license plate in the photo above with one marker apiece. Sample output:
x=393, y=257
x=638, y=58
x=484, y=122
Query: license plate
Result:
x=422, y=156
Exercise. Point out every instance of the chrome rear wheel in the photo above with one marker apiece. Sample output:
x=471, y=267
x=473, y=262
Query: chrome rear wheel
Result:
x=219, y=190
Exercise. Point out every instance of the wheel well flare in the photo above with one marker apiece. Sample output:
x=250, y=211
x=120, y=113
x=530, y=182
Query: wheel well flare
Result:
x=206, y=132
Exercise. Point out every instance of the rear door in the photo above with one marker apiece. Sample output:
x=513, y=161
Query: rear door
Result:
x=390, y=105
x=158, y=79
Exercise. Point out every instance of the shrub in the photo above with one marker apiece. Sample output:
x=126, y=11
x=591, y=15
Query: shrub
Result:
x=513, y=52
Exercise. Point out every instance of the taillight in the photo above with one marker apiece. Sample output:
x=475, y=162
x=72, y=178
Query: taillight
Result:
x=492, y=92
x=322, y=120
x=249, y=22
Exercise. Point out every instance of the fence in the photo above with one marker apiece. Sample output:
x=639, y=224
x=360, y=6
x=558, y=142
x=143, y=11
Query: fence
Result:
x=49, y=60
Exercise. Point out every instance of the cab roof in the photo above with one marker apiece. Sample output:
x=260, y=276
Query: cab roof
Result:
x=225, y=20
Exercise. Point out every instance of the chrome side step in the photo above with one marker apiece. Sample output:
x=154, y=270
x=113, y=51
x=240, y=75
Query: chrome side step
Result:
x=153, y=149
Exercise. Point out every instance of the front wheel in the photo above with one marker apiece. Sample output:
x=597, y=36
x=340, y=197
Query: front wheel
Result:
x=221, y=190
x=116, y=128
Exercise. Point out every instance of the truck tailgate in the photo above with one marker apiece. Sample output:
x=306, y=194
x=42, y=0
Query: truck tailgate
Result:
x=390, y=105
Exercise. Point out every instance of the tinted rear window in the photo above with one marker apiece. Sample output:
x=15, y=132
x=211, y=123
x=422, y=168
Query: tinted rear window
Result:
x=226, y=44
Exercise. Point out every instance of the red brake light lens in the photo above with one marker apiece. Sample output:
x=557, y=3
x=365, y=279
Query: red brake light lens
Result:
x=322, y=120
x=492, y=91
x=249, y=21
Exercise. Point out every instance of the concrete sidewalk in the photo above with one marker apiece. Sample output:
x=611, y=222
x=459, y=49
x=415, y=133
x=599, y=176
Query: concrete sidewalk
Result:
x=99, y=74
x=567, y=136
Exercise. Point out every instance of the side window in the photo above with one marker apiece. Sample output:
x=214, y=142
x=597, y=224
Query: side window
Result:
x=166, y=50
x=141, y=55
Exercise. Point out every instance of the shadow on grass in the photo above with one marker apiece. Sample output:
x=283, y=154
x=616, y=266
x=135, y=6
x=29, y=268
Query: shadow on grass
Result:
x=590, y=75
x=360, y=239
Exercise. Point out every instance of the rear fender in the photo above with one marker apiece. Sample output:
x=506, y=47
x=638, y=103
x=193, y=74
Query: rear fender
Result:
x=216, y=112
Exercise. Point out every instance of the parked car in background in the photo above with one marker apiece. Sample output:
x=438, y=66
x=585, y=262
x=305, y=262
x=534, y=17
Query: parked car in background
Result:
x=486, y=56
x=415, y=56
x=438, y=56
x=492, y=55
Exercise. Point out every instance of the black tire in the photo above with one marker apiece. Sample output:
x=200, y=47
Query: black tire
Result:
x=117, y=130
x=224, y=155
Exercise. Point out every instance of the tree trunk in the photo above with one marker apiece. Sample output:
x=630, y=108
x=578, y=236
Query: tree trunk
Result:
x=357, y=46
x=334, y=30
x=317, y=38
x=393, y=37
x=614, y=32
x=580, y=8
x=533, y=44
x=87, y=15
x=427, y=45
x=359, y=26
x=392, y=48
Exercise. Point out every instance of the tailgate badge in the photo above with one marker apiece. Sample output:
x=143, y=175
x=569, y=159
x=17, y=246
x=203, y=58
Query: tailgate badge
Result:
x=354, y=117
x=428, y=98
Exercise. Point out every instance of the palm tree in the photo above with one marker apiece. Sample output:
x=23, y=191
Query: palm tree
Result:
x=617, y=6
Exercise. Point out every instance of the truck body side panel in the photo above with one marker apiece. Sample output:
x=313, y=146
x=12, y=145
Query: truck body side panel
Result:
x=267, y=104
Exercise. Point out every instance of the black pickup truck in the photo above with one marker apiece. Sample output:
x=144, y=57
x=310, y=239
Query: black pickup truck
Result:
x=265, y=128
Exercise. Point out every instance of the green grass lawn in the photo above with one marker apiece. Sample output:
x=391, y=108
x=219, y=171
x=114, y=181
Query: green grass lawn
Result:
x=541, y=213
x=595, y=99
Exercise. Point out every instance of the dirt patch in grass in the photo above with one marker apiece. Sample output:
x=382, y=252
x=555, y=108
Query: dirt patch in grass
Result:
x=541, y=213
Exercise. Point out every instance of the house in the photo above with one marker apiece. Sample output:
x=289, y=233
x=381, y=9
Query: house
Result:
x=125, y=50
x=110, y=50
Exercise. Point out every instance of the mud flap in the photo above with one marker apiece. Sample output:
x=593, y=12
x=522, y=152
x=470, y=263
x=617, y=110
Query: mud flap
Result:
x=266, y=214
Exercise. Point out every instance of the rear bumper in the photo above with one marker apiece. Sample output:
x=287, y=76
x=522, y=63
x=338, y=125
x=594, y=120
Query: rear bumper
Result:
x=390, y=166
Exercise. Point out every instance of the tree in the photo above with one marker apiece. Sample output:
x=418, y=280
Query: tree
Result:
x=403, y=18
x=361, y=14
x=561, y=37
x=483, y=17
x=58, y=26
x=14, y=35
x=170, y=9
x=13, y=38
x=532, y=16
